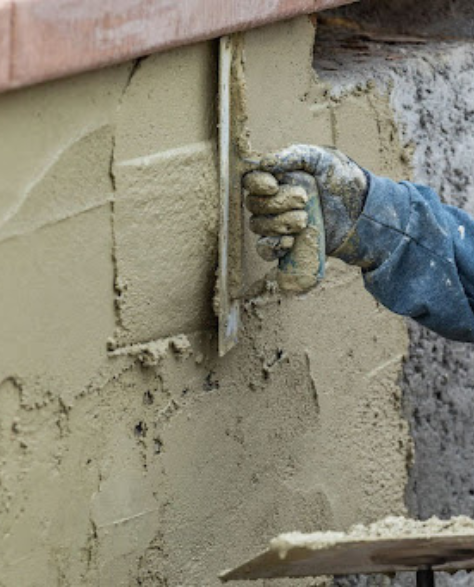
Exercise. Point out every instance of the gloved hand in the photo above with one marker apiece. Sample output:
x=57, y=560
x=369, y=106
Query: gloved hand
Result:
x=278, y=210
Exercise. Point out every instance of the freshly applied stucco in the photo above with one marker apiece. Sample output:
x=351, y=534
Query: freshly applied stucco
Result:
x=130, y=454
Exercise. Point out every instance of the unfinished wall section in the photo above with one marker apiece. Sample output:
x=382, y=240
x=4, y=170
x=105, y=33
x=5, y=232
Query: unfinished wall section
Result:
x=429, y=79
x=130, y=454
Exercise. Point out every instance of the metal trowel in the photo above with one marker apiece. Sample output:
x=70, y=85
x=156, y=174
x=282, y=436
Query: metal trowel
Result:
x=299, y=270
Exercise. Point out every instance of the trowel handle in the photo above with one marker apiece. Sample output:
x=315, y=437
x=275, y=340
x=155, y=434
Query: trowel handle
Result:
x=303, y=267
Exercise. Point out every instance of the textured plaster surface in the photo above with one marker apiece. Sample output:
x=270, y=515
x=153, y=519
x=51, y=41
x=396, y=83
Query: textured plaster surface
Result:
x=431, y=89
x=129, y=453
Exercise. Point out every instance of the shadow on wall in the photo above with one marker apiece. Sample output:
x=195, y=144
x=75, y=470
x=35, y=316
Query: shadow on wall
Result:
x=449, y=18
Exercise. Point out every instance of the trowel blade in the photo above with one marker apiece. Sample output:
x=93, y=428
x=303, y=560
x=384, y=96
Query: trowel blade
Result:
x=229, y=279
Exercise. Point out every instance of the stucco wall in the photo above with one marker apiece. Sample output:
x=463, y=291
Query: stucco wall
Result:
x=130, y=454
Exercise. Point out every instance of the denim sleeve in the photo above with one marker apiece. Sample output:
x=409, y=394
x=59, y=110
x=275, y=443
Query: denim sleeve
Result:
x=416, y=255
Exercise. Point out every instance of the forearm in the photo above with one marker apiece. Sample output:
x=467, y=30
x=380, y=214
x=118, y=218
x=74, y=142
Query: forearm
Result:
x=417, y=256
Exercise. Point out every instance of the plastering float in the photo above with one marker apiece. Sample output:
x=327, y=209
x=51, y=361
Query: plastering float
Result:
x=387, y=547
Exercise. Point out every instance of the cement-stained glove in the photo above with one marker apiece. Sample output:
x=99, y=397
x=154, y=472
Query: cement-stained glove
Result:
x=278, y=209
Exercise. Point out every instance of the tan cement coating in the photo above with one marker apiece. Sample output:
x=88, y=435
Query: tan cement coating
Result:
x=287, y=198
x=118, y=470
x=271, y=248
x=260, y=183
x=286, y=223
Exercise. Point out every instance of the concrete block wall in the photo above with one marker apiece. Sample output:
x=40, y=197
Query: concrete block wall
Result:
x=129, y=453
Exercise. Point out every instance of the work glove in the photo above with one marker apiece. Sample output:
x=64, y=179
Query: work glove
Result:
x=278, y=208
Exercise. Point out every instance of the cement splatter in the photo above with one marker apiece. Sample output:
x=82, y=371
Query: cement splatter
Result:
x=152, y=353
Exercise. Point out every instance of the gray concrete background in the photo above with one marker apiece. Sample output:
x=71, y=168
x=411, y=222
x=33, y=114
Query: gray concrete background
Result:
x=451, y=18
x=432, y=94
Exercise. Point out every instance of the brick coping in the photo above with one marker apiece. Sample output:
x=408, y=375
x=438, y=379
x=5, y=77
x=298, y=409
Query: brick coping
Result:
x=47, y=39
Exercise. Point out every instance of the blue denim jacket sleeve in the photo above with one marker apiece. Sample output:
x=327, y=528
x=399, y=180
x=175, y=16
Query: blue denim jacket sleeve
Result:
x=416, y=255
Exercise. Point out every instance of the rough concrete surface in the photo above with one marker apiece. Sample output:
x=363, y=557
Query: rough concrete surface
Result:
x=431, y=88
x=129, y=453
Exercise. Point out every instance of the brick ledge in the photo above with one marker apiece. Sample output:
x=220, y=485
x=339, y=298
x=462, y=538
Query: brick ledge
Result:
x=48, y=39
